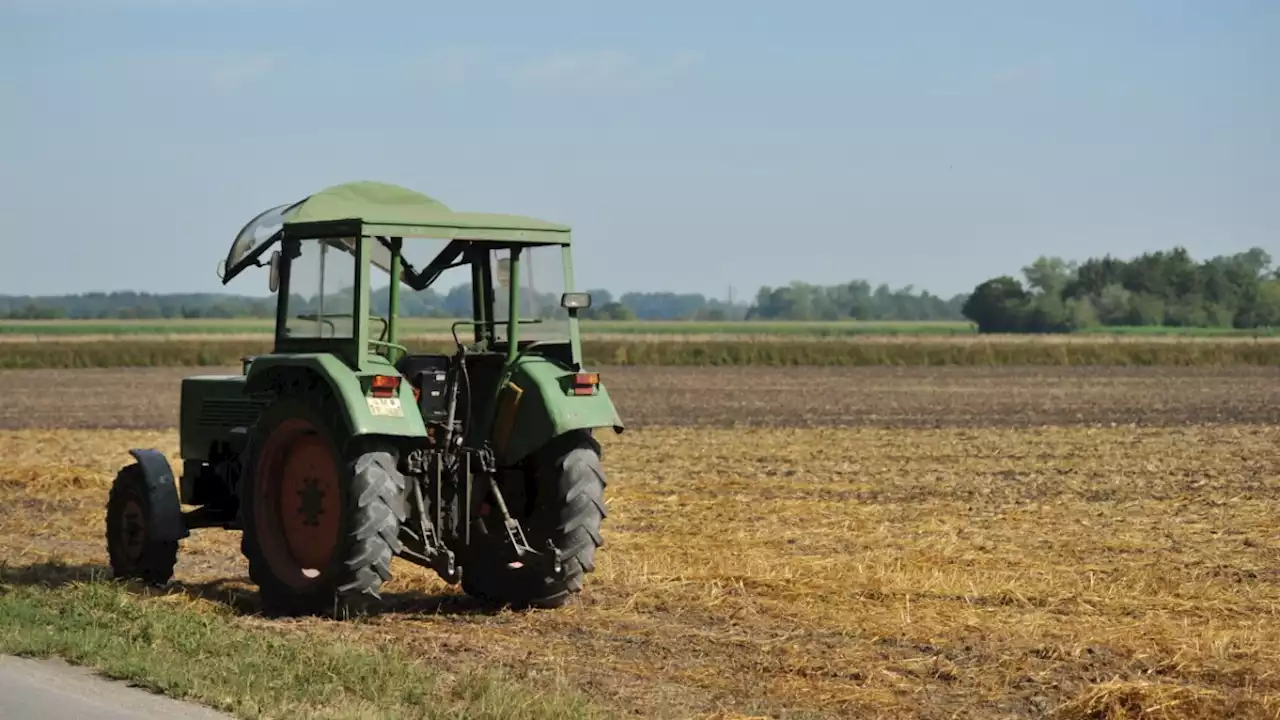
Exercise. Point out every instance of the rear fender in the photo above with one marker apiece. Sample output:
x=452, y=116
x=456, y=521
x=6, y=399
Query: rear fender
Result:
x=162, y=496
x=536, y=406
x=363, y=415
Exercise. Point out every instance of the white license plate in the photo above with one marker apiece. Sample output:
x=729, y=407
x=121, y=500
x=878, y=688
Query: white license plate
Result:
x=386, y=407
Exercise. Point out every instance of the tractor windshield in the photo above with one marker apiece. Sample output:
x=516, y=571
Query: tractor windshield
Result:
x=541, y=280
x=321, y=299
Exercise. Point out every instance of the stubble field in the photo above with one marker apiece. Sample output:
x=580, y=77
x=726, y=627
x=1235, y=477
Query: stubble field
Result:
x=952, y=542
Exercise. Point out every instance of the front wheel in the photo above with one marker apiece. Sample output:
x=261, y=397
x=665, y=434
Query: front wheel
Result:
x=133, y=552
x=562, y=501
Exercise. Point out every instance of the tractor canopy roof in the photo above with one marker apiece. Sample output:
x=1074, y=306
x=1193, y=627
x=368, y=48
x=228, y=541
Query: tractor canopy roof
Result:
x=373, y=209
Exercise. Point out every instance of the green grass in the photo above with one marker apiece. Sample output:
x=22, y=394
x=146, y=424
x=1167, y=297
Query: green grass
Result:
x=201, y=651
x=841, y=328
x=1157, y=331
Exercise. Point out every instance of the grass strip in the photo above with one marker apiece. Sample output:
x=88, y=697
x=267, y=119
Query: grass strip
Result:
x=921, y=353
x=201, y=651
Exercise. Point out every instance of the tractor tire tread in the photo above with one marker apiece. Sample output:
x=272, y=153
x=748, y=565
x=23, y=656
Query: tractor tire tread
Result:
x=371, y=536
x=572, y=520
x=159, y=556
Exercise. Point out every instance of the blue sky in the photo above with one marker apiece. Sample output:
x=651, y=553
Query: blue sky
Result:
x=691, y=146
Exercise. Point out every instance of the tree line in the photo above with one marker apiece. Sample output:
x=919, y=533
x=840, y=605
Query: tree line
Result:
x=1164, y=288
x=854, y=300
x=797, y=301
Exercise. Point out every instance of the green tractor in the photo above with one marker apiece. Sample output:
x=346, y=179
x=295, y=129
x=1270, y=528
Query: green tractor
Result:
x=342, y=449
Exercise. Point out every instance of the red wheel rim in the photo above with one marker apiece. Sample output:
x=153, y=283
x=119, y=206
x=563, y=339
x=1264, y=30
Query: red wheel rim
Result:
x=309, y=504
x=298, y=494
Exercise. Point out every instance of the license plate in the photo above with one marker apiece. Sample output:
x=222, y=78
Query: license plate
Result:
x=386, y=407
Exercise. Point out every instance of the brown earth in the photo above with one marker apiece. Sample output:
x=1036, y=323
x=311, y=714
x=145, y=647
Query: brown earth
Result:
x=775, y=397
x=1070, y=543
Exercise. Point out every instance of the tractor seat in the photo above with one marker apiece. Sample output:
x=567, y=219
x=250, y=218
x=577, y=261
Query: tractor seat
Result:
x=485, y=365
x=413, y=366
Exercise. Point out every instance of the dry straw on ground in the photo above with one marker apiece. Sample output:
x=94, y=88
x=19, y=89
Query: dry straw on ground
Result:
x=1074, y=573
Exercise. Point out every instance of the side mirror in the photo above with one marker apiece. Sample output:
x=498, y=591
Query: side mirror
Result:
x=273, y=278
x=575, y=300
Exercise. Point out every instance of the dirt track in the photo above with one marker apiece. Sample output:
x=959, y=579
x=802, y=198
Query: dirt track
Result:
x=776, y=397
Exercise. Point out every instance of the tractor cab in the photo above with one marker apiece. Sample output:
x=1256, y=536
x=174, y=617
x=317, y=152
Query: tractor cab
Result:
x=316, y=269
x=516, y=273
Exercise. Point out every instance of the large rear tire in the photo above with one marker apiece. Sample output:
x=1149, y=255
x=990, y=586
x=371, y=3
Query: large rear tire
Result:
x=321, y=515
x=565, y=504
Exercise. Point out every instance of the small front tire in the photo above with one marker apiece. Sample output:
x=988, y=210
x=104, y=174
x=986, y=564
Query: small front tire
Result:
x=134, y=553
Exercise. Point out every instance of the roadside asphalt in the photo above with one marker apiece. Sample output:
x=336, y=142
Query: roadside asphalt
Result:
x=54, y=690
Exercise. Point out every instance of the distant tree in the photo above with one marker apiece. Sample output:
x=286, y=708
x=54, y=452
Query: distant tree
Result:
x=600, y=297
x=855, y=300
x=1263, y=310
x=1188, y=311
x=616, y=311
x=1081, y=315
x=457, y=302
x=1113, y=304
x=1155, y=288
x=999, y=305
x=664, y=305
x=1046, y=313
x=1049, y=275
x=1146, y=309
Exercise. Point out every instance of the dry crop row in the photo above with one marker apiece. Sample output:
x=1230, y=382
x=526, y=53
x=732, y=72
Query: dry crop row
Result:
x=1068, y=572
x=923, y=352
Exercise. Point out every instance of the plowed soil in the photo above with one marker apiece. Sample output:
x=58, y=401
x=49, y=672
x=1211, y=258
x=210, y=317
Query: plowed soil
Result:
x=954, y=543
x=770, y=397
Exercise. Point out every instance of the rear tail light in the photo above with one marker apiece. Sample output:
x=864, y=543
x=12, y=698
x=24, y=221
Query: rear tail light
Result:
x=385, y=385
x=585, y=383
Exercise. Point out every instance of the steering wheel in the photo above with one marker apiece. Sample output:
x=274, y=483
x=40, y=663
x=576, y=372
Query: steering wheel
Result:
x=333, y=329
x=312, y=317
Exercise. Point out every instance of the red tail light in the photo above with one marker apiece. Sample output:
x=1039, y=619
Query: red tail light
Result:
x=385, y=385
x=585, y=383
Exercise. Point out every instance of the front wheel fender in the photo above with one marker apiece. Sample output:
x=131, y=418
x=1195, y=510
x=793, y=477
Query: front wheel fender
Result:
x=162, y=495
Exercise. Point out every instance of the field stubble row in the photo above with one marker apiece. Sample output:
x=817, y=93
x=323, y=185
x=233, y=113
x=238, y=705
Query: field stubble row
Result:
x=934, y=573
